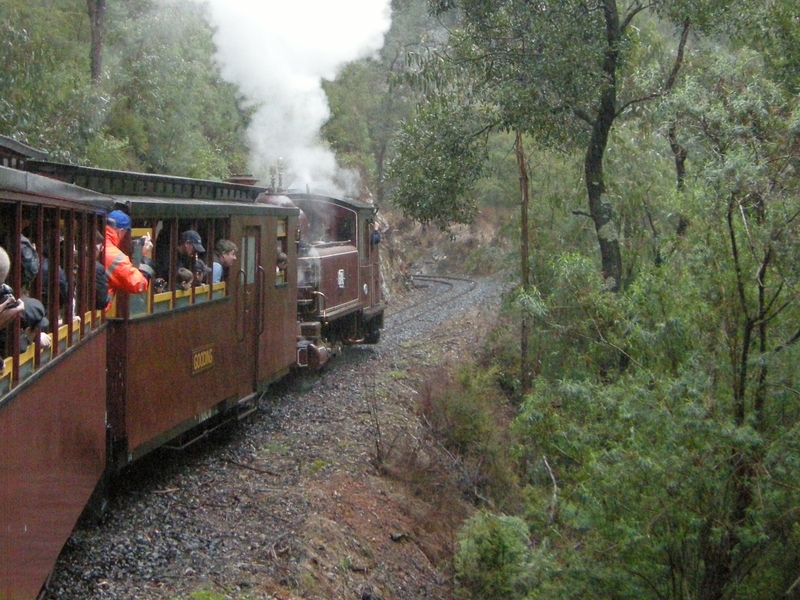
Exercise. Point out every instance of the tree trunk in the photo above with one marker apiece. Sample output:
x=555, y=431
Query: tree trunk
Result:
x=97, y=12
x=679, y=154
x=599, y=208
x=525, y=370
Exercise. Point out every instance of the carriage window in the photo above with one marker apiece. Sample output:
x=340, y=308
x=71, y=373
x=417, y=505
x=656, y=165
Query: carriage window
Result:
x=282, y=250
x=141, y=304
x=249, y=258
x=183, y=255
x=53, y=254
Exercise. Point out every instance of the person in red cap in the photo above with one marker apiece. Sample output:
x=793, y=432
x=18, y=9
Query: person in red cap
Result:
x=120, y=271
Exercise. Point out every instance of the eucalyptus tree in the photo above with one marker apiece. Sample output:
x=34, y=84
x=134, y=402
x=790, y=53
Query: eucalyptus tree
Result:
x=96, y=10
x=553, y=70
x=563, y=72
x=677, y=479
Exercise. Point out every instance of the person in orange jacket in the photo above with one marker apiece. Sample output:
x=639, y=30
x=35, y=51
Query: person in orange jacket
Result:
x=120, y=271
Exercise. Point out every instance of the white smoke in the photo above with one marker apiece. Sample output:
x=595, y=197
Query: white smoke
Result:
x=278, y=53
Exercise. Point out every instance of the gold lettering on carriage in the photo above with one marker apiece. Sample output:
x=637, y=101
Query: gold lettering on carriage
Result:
x=202, y=359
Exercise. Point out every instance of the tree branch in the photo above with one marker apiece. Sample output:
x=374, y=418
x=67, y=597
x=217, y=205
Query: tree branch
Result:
x=635, y=10
x=554, y=503
x=736, y=260
x=673, y=75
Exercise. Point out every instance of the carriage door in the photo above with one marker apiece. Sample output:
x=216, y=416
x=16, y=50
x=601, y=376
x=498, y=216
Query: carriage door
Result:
x=249, y=297
x=370, y=266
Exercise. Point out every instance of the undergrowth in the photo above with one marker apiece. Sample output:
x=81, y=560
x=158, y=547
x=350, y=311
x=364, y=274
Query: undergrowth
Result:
x=469, y=417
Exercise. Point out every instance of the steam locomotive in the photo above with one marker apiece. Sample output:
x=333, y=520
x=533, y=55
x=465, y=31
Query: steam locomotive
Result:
x=160, y=367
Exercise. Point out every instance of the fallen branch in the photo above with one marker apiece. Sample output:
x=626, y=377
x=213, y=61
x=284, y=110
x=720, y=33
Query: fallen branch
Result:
x=554, y=504
x=244, y=466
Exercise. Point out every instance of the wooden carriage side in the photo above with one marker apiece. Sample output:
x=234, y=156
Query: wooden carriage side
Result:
x=52, y=401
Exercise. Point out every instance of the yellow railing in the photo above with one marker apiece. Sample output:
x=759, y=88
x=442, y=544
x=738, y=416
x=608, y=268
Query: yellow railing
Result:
x=26, y=358
x=141, y=304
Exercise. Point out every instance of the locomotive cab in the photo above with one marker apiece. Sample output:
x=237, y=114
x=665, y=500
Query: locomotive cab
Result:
x=338, y=289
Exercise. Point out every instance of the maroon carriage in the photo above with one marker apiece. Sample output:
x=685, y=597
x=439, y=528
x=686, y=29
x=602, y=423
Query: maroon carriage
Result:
x=53, y=391
x=183, y=358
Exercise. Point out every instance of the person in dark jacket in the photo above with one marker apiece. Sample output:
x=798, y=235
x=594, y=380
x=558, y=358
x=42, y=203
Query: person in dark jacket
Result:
x=189, y=246
x=101, y=297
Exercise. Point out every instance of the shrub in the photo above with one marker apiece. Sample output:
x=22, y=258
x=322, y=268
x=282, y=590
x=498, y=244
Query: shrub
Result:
x=493, y=556
x=470, y=417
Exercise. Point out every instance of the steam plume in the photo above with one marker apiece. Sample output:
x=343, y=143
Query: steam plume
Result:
x=277, y=53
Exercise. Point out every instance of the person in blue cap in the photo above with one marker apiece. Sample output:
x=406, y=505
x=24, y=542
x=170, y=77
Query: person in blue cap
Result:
x=120, y=271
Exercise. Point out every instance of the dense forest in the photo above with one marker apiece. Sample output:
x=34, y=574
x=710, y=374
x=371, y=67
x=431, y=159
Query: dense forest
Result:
x=650, y=150
x=642, y=157
x=145, y=95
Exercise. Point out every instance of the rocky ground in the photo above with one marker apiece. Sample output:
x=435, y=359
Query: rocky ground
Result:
x=319, y=494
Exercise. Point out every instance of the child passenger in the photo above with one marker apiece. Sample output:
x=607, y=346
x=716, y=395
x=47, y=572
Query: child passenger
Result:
x=185, y=278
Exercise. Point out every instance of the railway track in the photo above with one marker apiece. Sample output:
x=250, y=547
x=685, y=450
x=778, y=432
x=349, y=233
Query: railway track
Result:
x=442, y=289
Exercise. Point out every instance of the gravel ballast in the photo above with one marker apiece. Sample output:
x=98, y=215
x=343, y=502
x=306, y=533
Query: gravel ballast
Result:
x=288, y=503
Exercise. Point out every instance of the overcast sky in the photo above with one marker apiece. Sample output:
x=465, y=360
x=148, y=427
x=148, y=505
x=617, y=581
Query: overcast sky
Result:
x=277, y=52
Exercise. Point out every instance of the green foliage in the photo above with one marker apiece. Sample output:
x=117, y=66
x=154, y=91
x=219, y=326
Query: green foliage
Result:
x=161, y=105
x=440, y=155
x=647, y=487
x=642, y=465
x=492, y=559
x=661, y=415
x=468, y=414
x=354, y=103
x=45, y=99
x=369, y=98
x=169, y=102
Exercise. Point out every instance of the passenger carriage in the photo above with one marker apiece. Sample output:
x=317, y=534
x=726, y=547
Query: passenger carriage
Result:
x=53, y=401
x=178, y=358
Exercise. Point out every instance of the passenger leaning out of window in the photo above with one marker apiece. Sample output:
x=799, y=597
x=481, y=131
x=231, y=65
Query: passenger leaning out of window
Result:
x=120, y=271
x=10, y=306
x=224, y=257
